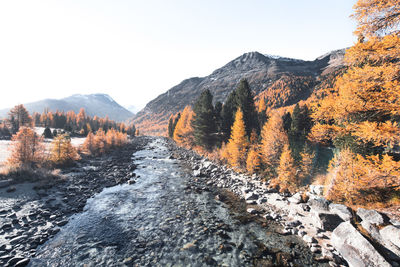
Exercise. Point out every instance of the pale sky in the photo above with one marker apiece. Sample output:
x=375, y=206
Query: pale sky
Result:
x=136, y=50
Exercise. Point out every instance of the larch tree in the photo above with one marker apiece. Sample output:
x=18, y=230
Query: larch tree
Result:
x=18, y=116
x=27, y=149
x=62, y=152
x=287, y=173
x=273, y=139
x=360, y=114
x=89, y=146
x=183, y=133
x=203, y=123
x=253, y=162
x=238, y=144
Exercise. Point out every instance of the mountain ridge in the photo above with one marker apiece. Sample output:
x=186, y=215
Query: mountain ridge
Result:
x=261, y=70
x=100, y=105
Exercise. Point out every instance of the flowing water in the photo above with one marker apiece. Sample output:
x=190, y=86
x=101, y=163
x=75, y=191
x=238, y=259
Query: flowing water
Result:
x=158, y=221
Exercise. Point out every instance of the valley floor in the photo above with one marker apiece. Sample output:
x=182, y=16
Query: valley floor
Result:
x=158, y=215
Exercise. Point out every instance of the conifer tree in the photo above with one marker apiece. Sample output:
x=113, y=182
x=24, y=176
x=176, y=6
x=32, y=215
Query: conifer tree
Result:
x=287, y=173
x=170, y=127
x=227, y=115
x=253, y=162
x=203, y=123
x=183, y=133
x=273, y=139
x=245, y=101
x=47, y=133
x=89, y=146
x=27, y=149
x=18, y=117
x=237, y=145
x=62, y=151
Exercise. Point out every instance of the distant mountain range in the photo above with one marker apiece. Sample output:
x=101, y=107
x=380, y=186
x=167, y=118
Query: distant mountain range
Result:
x=266, y=74
x=100, y=105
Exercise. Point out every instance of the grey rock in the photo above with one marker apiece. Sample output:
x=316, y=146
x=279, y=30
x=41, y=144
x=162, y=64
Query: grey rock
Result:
x=371, y=216
x=343, y=211
x=309, y=239
x=295, y=199
x=252, y=211
x=22, y=262
x=251, y=196
x=355, y=249
x=326, y=221
x=317, y=189
x=197, y=173
x=319, y=203
x=5, y=183
x=391, y=234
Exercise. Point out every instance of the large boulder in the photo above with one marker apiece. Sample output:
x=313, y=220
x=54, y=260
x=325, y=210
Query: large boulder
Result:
x=354, y=248
x=371, y=216
x=326, y=221
x=391, y=234
x=341, y=210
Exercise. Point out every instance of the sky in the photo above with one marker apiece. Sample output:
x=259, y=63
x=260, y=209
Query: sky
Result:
x=136, y=50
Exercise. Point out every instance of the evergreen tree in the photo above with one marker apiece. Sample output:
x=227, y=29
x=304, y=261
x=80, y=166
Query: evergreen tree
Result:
x=47, y=133
x=170, y=127
x=227, y=115
x=203, y=123
x=245, y=101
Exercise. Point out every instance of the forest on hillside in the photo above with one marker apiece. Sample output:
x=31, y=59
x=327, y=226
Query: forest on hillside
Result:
x=346, y=136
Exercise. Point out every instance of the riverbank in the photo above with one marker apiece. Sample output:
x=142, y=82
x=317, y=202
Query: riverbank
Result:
x=33, y=212
x=335, y=233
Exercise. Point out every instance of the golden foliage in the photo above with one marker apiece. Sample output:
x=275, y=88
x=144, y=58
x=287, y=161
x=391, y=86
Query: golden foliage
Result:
x=89, y=146
x=237, y=144
x=62, y=152
x=355, y=179
x=253, y=162
x=183, y=133
x=273, y=139
x=26, y=149
x=377, y=17
x=287, y=173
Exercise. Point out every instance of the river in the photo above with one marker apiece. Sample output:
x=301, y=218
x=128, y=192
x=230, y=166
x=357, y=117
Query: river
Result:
x=162, y=221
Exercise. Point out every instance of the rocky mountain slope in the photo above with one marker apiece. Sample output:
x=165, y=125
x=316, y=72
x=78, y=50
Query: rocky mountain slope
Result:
x=263, y=72
x=100, y=105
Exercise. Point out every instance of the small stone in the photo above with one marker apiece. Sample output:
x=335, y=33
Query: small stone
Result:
x=315, y=250
x=11, y=189
x=309, y=239
x=252, y=211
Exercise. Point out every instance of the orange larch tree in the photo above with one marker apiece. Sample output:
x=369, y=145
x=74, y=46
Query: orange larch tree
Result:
x=183, y=133
x=27, y=149
x=273, y=139
x=238, y=143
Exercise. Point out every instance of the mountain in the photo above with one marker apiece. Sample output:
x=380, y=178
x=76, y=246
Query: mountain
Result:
x=284, y=81
x=100, y=105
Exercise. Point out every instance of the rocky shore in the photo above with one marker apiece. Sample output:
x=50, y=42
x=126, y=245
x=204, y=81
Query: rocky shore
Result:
x=316, y=231
x=33, y=212
x=335, y=233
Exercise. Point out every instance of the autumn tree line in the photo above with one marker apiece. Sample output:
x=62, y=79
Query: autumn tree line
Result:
x=28, y=149
x=75, y=124
x=357, y=116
